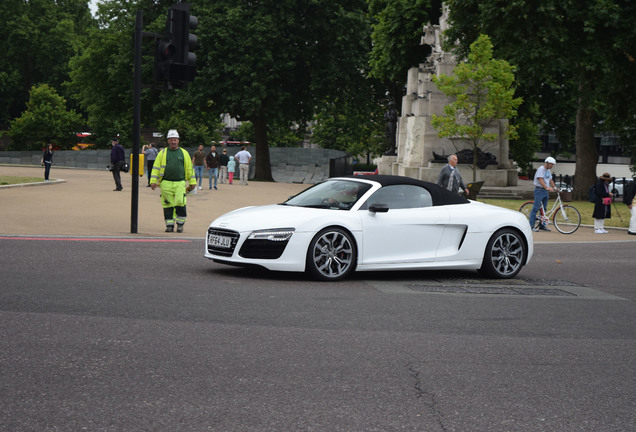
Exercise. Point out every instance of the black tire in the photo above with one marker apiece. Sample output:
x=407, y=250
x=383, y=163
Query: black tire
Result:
x=505, y=254
x=567, y=219
x=526, y=208
x=332, y=255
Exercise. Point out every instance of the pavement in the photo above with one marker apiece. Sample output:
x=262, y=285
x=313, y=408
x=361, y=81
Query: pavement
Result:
x=82, y=203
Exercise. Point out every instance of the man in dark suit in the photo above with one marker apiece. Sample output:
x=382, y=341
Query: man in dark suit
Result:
x=117, y=162
x=450, y=178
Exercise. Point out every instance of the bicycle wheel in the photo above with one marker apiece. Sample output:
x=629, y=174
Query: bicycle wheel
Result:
x=526, y=208
x=567, y=219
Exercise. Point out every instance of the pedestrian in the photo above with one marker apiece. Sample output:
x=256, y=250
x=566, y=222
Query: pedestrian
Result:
x=543, y=183
x=450, y=178
x=150, y=154
x=174, y=174
x=117, y=162
x=603, y=204
x=47, y=160
x=629, y=190
x=212, y=161
x=231, y=166
x=223, y=160
x=198, y=161
x=244, y=157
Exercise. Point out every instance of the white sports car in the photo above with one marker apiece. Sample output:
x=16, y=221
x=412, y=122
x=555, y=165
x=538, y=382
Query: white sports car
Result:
x=373, y=223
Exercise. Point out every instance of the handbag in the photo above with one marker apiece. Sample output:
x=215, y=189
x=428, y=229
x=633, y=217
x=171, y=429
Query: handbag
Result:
x=607, y=201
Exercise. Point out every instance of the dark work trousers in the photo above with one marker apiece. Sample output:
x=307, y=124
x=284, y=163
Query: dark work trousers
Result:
x=151, y=163
x=116, y=174
x=170, y=212
x=47, y=170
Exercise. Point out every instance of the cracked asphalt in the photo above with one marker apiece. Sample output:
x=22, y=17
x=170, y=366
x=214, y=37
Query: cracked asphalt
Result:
x=139, y=335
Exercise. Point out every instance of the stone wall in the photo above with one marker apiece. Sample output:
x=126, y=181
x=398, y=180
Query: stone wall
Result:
x=289, y=165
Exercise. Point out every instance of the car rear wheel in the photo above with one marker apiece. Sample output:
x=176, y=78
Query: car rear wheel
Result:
x=332, y=255
x=505, y=255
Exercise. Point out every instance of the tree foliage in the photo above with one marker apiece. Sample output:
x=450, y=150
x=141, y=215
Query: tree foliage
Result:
x=274, y=62
x=270, y=63
x=46, y=120
x=39, y=38
x=352, y=128
x=573, y=62
x=397, y=31
x=482, y=92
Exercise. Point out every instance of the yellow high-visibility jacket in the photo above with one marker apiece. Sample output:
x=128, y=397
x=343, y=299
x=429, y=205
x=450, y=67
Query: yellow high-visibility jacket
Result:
x=159, y=168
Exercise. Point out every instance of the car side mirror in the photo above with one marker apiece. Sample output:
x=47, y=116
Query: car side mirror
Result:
x=378, y=208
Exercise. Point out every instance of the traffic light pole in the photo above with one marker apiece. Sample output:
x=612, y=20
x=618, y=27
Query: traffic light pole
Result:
x=134, y=205
x=184, y=70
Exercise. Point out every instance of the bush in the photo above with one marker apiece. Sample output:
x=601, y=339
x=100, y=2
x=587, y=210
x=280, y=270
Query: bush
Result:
x=364, y=167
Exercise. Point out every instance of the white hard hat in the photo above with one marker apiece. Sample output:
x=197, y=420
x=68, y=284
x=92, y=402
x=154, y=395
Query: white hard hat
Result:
x=172, y=133
x=550, y=159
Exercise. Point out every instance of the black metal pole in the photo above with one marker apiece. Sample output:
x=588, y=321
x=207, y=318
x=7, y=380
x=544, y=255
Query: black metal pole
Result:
x=134, y=205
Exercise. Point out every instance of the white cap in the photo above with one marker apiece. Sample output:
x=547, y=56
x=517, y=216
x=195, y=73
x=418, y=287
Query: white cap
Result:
x=172, y=133
x=550, y=159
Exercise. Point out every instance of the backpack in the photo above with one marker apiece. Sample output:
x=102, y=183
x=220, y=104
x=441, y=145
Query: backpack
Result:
x=591, y=193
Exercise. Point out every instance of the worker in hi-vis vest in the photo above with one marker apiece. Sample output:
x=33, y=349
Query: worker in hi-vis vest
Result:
x=174, y=174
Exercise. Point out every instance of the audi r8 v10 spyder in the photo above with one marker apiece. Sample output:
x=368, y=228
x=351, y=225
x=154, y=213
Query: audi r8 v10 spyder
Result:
x=373, y=223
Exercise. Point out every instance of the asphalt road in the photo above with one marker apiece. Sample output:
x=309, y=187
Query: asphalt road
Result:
x=147, y=335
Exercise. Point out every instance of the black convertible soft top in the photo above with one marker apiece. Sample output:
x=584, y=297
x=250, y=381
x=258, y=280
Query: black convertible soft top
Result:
x=439, y=195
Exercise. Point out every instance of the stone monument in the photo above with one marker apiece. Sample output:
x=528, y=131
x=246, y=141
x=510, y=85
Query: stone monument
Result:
x=391, y=119
x=417, y=139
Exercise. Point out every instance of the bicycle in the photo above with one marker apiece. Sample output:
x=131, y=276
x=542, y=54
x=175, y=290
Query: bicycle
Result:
x=566, y=218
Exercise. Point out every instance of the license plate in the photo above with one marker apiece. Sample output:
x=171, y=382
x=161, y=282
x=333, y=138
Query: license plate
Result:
x=220, y=241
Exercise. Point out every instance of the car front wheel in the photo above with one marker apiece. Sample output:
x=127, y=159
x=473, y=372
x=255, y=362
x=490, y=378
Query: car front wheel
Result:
x=332, y=255
x=505, y=255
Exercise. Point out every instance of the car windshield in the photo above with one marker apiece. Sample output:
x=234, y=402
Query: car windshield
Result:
x=332, y=194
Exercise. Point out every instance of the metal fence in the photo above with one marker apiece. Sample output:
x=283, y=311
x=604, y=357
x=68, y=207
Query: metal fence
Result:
x=565, y=182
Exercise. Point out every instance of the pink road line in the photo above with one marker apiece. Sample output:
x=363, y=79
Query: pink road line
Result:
x=99, y=239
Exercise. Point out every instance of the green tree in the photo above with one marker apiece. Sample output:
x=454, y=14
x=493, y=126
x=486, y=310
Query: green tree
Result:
x=482, y=92
x=287, y=135
x=45, y=120
x=526, y=144
x=245, y=132
x=274, y=62
x=101, y=74
x=102, y=80
x=36, y=44
x=397, y=31
x=573, y=62
x=357, y=129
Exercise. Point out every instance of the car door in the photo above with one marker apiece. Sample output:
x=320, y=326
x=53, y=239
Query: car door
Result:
x=410, y=231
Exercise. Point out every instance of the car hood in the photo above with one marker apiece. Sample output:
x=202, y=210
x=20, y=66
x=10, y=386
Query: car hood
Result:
x=272, y=216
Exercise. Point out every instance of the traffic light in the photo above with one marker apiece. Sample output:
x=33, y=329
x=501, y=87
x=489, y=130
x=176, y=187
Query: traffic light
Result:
x=164, y=57
x=174, y=62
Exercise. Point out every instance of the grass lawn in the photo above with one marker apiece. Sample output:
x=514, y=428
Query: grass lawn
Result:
x=584, y=207
x=10, y=180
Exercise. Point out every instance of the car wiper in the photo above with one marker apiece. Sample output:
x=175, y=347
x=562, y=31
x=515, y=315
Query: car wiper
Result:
x=322, y=206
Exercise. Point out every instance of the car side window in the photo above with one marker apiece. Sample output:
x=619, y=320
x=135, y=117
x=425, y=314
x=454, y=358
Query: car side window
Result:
x=401, y=197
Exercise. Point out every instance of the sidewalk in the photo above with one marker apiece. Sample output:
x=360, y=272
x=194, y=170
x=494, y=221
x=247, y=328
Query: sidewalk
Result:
x=83, y=203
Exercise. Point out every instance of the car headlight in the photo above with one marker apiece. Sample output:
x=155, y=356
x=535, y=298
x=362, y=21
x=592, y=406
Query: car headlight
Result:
x=282, y=234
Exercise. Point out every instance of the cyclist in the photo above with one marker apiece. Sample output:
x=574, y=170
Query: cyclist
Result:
x=543, y=183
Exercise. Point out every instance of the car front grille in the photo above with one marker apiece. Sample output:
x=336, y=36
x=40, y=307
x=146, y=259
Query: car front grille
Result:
x=218, y=250
x=262, y=249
